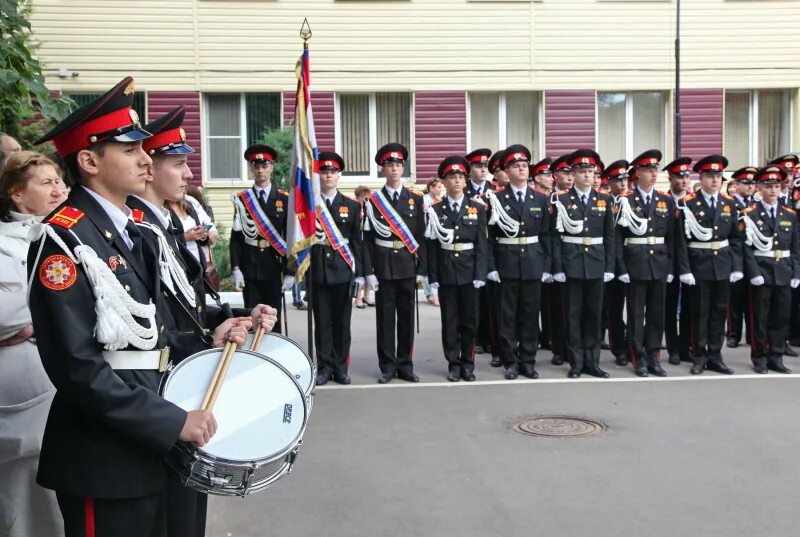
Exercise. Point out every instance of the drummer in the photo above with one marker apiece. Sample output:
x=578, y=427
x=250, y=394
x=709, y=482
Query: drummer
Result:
x=185, y=285
x=108, y=429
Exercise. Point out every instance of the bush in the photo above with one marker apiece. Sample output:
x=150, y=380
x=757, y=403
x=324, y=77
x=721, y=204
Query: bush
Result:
x=280, y=140
x=222, y=259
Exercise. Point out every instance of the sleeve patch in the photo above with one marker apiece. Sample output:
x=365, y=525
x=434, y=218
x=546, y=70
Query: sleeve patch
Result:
x=57, y=273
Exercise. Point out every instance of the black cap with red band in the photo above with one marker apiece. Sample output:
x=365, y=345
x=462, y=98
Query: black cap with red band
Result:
x=515, y=153
x=479, y=156
x=617, y=170
x=542, y=167
x=679, y=166
x=453, y=164
x=771, y=174
x=110, y=117
x=393, y=152
x=168, y=136
x=649, y=159
x=561, y=164
x=495, y=161
x=746, y=175
x=711, y=164
x=584, y=158
x=328, y=160
x=260, y=153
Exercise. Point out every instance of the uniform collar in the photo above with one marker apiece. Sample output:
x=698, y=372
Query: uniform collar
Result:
x=161, y=212
x=451, y=201
x=707, y=196
x=515, y=190
x=476, y=186
x=119, y=217
x=391, y=191
x=768, y=207
x=642, y=193
x=266, y=189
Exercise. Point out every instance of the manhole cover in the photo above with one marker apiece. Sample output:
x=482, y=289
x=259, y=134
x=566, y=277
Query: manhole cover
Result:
x=562, y=426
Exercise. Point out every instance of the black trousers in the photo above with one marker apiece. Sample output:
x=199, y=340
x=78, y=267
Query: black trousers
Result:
x=483, y=336
x=708, y=302
x=186, y=509
x=645, y=318
x=739, y=310
x=584, y=302
x=519, y=320
x=333, y=307
x=394, y=308
x=545, y=329
x=265, y=292
x=459, y=306
x=557, y=313
x=770, y=323
x=492, y=300
x=614, y=301
x=676, y=325
x=113, y=517
x=794, y=318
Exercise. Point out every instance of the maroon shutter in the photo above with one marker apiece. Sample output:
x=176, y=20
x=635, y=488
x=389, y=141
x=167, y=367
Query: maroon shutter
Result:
x=161, y=102
x=322, y=105
x=701, y=122
x=440, y=129
x=569, y=121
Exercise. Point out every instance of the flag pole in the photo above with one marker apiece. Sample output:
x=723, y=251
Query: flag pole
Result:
x=305, y=35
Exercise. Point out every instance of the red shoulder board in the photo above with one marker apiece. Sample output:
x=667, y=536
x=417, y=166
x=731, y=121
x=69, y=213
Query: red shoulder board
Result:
x=747, y=209
x=137, y=215
x=66, y=217
x=282, y=191
x=689, y=197
x=626, y=194
x=437, y=202
x=664, y=193
x=499, y=189
x=790, y=210
x=724, y=195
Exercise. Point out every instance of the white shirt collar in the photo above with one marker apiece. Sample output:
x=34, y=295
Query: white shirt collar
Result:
x=161, y=212
x=119, y=217
x=476, y=186
x=267, y=189
x=642, y=193
x=768, y=207
x=676, y=196
x=331, y=197
x=391, y=190
x=451, y=201
x=580, y=192
x=708, y=196
x=515, y=190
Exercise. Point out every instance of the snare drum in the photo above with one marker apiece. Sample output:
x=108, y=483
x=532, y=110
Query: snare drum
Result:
x=261, y=415
x=291, y=356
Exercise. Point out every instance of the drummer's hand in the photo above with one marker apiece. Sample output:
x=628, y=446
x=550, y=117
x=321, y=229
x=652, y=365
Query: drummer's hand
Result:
x=265, y=316
x=232, y=330
x=199, y=427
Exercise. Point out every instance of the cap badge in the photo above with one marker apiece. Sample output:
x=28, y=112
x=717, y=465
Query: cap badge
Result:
x=714, y=166
x=260, y=156
x=134, y=115
x=129, y=89
x=183, y=135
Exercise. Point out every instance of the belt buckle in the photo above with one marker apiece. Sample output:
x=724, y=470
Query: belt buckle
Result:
x=398, y=245
x=163, y=359
x=263, y=244
x=778, y=255
x=651, y=240
x=587, y=241
x=715, y=245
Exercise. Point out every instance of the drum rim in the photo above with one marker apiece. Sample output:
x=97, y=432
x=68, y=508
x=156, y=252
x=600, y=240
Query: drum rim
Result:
x=270, y=458
x=313, y=383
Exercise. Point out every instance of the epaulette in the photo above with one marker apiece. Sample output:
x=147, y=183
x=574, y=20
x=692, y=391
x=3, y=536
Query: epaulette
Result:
x=626, y=194
x=790, y=210
x=437, y=202
x=66, y=217
x=747, y=209
x=477, y=199
x=137, y=215
x=727, y=197
x=664, y=193
x=689, y=197
x=499, y=189
x=415, y=191
x=282, y=191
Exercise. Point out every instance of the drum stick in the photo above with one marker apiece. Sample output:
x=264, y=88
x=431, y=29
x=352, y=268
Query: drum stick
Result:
x=215, y=378
x=227, y=358
x=258, y=335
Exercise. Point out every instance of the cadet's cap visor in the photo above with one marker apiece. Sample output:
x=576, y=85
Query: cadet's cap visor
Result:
x=182, y=149
x=134, y=135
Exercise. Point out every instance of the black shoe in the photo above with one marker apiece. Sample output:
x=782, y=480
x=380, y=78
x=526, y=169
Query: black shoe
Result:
x=621, y=360
x=301, y=305
x=453, y=376
x=776, y=364
x=640, y=369
x=512, y=372
x=604, y=346
x=479, y=349
x=760, y=367
x=574, y=374
x=468, y=376
x=657, y=370
x=719, y=366
x=788, y=351
x=732, y=343
x=496, y=361
x=322, y=379
x=342, y=378
x=386, y=378
x=527, y=370
x=597, y=372
x=408, y=377
x=697, y=368
x=674, y=359
x=557, y=359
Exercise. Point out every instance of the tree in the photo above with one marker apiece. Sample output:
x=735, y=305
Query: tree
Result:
x=280, y=139
x=23, y=93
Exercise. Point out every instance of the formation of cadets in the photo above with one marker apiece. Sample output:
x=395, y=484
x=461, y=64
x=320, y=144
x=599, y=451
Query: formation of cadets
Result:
x=582, y=247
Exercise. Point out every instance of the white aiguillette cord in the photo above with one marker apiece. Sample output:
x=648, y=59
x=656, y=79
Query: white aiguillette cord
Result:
x=564, y=223
x=627, y=218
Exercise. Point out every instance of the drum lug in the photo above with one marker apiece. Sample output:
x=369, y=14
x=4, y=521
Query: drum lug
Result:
x=218, y=480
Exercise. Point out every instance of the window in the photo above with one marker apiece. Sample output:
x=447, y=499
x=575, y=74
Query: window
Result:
x=365, y=122
x=234, y=121
x=757, y=126
x=630, y=123
x=497, y=120
x=139, y=102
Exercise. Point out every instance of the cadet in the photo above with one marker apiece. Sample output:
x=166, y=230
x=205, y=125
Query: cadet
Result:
x=499, y=177
x=394, y=261
x=563, y=179
x=772, y=264
x=258, y=235
x=583, y=257
x=519, y=230
x=616, y=175
x=738, y=308
x=492, y=289
x=542, y=182
x=457, y=265
x=100, y=333
x=789, y=197
x=478, y=182
x=709, y=254
x=336, y=264
x=645, y=231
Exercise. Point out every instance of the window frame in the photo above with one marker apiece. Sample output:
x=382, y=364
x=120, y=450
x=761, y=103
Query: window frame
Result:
x=373, y=135
x=629, y=120
x=752, y=114
x=502, y=120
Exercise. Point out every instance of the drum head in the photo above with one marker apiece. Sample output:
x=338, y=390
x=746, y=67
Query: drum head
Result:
x=260, y=410
x=290, y=355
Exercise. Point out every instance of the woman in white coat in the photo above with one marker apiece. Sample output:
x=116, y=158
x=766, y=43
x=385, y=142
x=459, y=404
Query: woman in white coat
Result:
x=30, y=188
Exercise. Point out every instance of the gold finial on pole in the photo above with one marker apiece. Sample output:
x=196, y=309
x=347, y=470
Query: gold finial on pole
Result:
x=305, y=31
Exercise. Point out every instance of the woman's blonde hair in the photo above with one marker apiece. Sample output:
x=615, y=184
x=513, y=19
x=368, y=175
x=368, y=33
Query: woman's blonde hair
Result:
x=430, y=184
x=15, y=174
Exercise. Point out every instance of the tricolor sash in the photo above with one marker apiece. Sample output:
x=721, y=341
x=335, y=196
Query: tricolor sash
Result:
x=396, y=223
x=334, y=236
x=248, y=201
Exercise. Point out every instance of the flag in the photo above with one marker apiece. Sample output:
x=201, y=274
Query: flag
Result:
x=304, y=193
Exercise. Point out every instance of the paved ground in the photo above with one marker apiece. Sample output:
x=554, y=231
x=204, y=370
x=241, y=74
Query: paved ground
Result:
x=683, y=456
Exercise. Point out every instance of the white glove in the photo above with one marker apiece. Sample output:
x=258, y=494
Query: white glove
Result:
x=373, y=282
x=360, y=281
x=670, y=277
x=736, y=276
x=794, y=283
x=559, y=277
x=420, y=279
x=477, y=284
x=434, y=286
x=757, y=281
x=238, y=279
x=625, y=278
x=608, y=276
x=288, y=282
x=547, y=277
x=687, y=279
x=494, y=276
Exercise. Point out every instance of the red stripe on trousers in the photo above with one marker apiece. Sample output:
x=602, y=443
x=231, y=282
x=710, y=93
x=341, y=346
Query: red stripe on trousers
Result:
x=88, y=513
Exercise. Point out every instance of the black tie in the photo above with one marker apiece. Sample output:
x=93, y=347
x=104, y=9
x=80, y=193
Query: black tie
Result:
x=647, y=201
x=328, y=203
x=395, y=197
x=478, y=191
x=262, y=197
x=136, y=238
x=455, y=208
x=747, y=201
x=772, y=216
x=713, y=204
x=583, y=200
x=519, y=197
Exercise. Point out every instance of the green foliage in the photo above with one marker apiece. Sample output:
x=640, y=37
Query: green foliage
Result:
x=23, y=94
x=280, y=140
x=222, y=259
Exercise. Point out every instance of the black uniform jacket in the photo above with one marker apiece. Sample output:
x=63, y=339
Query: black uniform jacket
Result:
x=522, y=261
x=648, y=261
x=470, y=192
x=327, y=265
x=710, y=264
x=450, y=267
x=108, y=430
x=262, y=263
x=778, y=269
x=397, y=263
x=585, y=261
